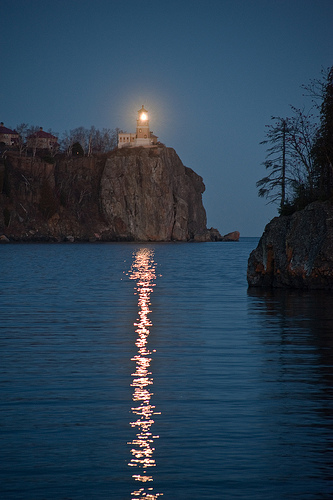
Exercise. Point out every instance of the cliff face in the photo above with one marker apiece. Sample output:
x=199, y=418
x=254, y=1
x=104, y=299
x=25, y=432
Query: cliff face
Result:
x=295, y=251
x=148, y=195
x=129, y=195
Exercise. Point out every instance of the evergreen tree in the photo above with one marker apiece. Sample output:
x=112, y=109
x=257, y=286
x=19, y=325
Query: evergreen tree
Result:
x=274, y=185
x=323, y=147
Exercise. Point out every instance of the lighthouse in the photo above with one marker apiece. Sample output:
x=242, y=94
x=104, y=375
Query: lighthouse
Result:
x=143, y=136
x=142, y=128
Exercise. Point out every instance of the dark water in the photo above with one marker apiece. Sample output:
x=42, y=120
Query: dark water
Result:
x=134, y=371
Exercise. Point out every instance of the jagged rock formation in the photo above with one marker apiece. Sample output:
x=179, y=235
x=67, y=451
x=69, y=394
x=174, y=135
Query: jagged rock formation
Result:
x=295, y=251
x=131, y=194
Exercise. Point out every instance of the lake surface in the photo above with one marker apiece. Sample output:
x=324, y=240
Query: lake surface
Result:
x=145, y=371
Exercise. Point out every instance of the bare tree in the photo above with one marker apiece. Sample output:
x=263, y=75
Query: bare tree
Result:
x=67, y=142
x=93, y=141
x=22, y=131
x=54, y=149
x=91, y=138
x=32, y=139
x=302, y=134
x=291, y=181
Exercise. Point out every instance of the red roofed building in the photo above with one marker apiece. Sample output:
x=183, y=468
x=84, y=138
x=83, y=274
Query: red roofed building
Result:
x=42, y=140
x=8, y=136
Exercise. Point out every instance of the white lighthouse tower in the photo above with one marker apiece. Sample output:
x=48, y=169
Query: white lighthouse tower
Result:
x=143, y=136
x=142, y=128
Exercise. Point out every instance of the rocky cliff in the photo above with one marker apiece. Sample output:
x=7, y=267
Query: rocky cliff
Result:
x=295, y=251
x=132, y=194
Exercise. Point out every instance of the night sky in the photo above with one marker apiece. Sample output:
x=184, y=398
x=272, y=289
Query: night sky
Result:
x=210, y=72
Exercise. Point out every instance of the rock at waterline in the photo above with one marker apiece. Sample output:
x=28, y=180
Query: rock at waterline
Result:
x=234, y=236
x=295, y=251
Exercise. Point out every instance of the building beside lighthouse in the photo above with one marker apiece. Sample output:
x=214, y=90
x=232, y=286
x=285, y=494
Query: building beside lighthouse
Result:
x=142, y=137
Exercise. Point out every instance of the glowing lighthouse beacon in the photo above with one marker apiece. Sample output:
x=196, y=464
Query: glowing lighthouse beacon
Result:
x=143, y=136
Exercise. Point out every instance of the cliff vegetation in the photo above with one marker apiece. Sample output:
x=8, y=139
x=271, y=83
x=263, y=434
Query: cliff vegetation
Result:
x=300, y=151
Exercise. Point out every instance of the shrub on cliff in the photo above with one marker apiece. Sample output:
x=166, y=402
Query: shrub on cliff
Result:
x=77, y=149
x=6, y=185
x=49, y=159
x=48, y=203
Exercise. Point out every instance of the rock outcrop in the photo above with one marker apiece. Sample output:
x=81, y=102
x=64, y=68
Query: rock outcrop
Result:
x=295, y=251
x=234, y=236
x=131, y=194
x=147, y=194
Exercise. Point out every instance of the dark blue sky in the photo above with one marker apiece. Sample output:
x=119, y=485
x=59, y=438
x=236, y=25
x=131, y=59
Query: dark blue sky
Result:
x=210, y=72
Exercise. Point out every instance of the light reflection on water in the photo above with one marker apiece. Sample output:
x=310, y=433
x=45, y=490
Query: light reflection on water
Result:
x=143, y=272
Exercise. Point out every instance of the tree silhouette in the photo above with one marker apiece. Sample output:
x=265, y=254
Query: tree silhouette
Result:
x=323, y=147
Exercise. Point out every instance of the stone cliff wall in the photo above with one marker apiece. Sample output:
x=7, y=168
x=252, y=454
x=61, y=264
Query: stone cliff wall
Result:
x=128, y=195
x=148, y=195
x=295, y=251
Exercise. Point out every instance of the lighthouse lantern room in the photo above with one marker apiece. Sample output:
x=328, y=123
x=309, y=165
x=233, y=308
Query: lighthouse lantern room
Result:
x=143, y=136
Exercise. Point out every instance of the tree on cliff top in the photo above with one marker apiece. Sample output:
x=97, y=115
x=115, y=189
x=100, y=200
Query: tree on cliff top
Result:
x=291, y=182
x=274, y=186
x=323, y=146
x=22, y=130
x=92, y=141
x=300, y=158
